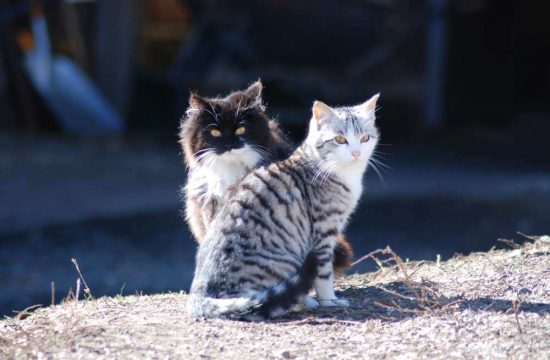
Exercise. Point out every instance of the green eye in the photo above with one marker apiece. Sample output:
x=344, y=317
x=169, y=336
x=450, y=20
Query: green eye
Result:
x=365, y=138
x=240, y=131
x=215, y=133
x=340, y=139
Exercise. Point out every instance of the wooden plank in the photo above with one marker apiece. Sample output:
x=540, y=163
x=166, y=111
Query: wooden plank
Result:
x=115, y=43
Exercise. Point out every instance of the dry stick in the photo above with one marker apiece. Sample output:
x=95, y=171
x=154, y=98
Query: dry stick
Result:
x=26, y=312
x=516, y=305
x=529, y=237
x=53, y=292
x=86, y=287
x=510, y=243
x=426, y=297
x=386, y=251
x=315, y=321
x=77, y=289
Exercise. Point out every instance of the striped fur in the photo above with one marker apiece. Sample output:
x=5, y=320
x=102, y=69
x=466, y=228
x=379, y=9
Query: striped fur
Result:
x=275, y=233
x=211, y=173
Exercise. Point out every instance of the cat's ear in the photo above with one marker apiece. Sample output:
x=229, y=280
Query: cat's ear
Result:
x=368, y=108
x=253, y=95
x=196, y=104
x=322, y=114
x=196, y=101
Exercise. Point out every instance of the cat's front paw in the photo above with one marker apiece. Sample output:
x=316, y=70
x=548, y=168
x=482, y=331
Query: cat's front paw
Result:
x=310, y=303
x=335, y=302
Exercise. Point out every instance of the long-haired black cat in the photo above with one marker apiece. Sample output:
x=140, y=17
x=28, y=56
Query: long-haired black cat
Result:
x=223, y=139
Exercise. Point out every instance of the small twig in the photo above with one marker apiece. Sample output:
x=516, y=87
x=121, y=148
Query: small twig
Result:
x=516, y=306
x=86, y=287
x=53, y=292
x=424, y=298
x=77, y=293
x=317, y=321
x=386, y=251
x=529, y=237
x=26, y=312
x=510, y=243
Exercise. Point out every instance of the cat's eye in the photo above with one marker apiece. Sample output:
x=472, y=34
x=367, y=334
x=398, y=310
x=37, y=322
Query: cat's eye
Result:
x=365, y=138
x=215, y=133
x=240, y=131
x=340, y=139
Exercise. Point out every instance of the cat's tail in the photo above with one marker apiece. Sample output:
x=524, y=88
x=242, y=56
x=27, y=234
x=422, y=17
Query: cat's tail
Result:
x=265, y=304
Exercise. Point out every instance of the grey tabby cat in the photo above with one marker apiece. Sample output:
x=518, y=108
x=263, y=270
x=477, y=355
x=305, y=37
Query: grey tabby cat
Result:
x=274, y=237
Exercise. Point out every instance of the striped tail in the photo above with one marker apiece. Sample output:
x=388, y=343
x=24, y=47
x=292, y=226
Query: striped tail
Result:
x=266, y=304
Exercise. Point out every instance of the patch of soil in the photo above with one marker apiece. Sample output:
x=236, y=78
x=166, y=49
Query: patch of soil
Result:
x=484, y=305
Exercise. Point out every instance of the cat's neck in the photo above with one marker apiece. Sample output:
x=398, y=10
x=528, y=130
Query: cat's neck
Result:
x=227, y=169
x=350, y=175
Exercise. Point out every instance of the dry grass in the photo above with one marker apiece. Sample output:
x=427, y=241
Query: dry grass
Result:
x=484, y=305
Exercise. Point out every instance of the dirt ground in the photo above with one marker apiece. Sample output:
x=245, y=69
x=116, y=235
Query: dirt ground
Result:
x=484, y=305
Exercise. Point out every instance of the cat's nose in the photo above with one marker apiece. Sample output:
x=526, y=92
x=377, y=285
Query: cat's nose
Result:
x=356, y=154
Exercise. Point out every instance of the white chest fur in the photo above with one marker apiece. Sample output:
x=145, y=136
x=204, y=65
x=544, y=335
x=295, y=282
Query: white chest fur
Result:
x=222, y=171
x=353, y=178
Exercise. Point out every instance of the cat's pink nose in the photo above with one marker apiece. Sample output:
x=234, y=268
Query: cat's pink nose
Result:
x=356, y=154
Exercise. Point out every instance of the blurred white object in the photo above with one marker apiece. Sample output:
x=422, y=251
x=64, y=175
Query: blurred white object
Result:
x=77, y=103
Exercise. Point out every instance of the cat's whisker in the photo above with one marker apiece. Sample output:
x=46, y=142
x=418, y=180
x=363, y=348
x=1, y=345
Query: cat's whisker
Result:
x=262, y=151
x=211, y=114
x=320, y=167
x=202, y=151
x=328, y=173
x=215, y=115
x=210, y=159
x=237, y=112
x=323, y=169
x=378, y=172
x=380, y=163
x=203, y=159
x=209, y=125
x=266, y=157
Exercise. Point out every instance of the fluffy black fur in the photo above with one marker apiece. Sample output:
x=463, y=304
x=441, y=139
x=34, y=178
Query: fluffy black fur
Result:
x=240, y=108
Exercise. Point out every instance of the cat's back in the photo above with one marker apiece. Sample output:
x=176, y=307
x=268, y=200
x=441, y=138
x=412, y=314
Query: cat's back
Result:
x=265, y=215
x=271, y=187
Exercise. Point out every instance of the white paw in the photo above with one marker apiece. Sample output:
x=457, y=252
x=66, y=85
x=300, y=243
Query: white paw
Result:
x=335, y=302
x=310, y=303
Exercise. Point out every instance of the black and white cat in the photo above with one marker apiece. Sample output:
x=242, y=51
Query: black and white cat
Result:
x=223, y=139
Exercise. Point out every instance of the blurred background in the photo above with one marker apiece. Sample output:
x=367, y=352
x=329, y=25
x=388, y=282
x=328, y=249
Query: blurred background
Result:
x=91, y=93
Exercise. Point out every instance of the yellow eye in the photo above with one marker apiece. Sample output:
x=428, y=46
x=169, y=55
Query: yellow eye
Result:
x=215, y=133
x=240, y=130
x=365, y=138
x=340, y=139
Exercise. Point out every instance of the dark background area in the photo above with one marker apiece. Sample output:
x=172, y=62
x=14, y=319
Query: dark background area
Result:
x=465, y=118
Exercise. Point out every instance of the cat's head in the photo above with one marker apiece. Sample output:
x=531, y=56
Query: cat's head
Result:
x=233, y=128
x=344, y=137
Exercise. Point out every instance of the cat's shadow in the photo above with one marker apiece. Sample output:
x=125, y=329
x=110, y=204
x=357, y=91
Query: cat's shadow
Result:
x=396, y=301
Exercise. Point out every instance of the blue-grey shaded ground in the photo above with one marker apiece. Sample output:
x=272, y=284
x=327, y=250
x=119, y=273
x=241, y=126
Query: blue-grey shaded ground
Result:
x=115, y=207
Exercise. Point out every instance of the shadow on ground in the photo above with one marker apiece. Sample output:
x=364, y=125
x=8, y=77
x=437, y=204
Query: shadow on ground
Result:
x=397, y=301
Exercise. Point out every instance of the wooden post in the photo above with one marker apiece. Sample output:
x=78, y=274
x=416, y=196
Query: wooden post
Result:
x=21, y=92
x=436, y=61
x=117, y=25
